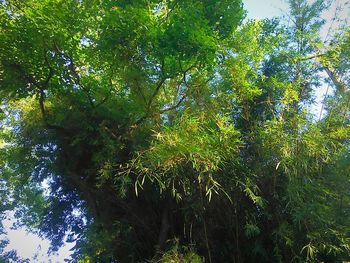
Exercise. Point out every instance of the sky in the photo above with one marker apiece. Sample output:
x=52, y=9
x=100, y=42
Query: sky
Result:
x=260, y=9
x=31, y=246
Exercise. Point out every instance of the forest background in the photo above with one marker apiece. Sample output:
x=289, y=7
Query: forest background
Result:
x=297, y=96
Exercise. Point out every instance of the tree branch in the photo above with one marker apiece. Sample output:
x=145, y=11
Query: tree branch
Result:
x=73, y=70
x=156, y=91
x=174, y=106
x=75, y=74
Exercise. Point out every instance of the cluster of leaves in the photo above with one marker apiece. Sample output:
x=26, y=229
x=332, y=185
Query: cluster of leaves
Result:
x=129, y=126
x=196, y=143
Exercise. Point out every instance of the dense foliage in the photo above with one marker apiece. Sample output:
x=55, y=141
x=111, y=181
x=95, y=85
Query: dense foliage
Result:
x=172, y=131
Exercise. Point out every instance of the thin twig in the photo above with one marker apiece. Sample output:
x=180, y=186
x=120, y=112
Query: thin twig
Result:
x=323, y=102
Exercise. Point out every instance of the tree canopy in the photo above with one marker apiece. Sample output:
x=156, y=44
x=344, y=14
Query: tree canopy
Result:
x=174, y=131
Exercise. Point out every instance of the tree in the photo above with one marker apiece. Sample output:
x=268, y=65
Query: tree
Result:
x=170, y=129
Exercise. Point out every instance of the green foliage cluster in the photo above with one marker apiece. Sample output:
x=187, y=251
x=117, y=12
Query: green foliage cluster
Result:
x=172, y=131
